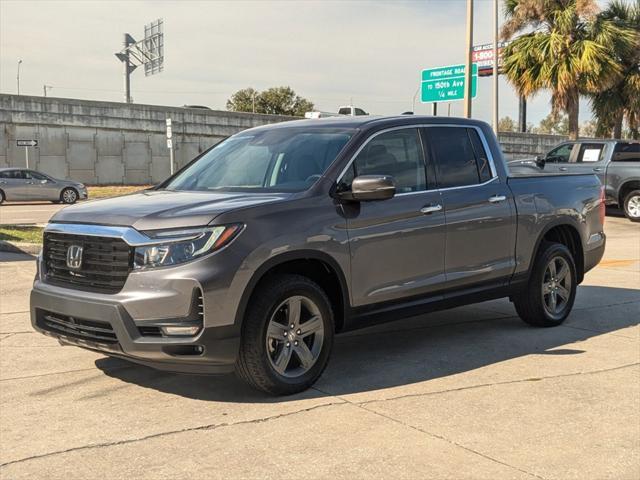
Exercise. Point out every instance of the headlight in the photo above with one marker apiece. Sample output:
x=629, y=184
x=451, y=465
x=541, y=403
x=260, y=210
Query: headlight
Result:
x=183, y=245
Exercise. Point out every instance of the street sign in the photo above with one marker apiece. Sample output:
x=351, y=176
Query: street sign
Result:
x=483, y=56
x=444, y=84
x=169, y=133
x=27, y=143
x=169, y=143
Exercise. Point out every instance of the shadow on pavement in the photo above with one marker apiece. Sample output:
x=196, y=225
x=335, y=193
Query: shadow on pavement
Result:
x=402, y=353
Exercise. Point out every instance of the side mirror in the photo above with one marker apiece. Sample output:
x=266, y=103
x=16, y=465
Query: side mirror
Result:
x=541, y=161
x=370, y=187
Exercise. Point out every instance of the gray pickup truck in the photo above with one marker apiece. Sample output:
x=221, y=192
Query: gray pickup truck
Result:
x=615, y=162
x=252, y=257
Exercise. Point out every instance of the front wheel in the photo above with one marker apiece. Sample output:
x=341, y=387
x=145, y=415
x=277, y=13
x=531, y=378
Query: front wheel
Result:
x=69, y=196
x=287, y=335
x=551, y=292
x=631, y=206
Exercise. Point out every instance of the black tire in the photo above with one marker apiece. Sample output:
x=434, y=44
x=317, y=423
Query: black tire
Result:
x=531, y=304
x=630, y=205
x=1, y=197
x=254, y=365
x=69, y=195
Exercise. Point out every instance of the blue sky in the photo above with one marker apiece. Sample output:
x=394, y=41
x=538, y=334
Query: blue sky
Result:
x=331, y=52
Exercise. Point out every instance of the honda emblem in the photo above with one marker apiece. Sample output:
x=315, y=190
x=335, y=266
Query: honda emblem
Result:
x=74, y=257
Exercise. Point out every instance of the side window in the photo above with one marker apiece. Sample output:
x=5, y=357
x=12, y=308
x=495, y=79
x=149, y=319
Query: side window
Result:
x=397, y=153
x=455, y=157
x=5, y=174
x=482, y=160
x=590, y=152
x=359, y=112
x=560, y=154
x=36, y=175
x=626, y=152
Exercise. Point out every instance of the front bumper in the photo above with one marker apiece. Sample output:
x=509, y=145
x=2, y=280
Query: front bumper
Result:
x=213, y=350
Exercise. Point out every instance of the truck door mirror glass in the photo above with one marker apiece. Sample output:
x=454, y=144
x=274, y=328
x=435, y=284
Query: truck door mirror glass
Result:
x=370, y=187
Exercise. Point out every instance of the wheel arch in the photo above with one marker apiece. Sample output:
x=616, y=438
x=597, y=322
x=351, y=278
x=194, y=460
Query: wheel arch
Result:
x=568, y=234
x=624, y=190
x=317, y=266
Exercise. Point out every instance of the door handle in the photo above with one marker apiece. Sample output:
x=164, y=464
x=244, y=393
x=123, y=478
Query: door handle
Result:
x=430, y=209
x=563, y=169
x=497, y=198
x=597, y=169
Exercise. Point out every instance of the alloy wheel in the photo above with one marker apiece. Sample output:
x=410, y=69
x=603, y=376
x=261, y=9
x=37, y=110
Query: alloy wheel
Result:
x=556, y=286
x=295, y=335
x=633, y=206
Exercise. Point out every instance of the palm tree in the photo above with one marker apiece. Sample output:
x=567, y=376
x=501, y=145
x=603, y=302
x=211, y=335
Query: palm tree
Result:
x=621, y=101
x=564, y=47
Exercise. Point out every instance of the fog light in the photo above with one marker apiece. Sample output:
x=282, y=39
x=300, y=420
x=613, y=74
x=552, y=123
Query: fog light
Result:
x=184, y=331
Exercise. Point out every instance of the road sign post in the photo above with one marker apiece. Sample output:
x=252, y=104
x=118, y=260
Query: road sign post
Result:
x=26, y=144
x=170, y=146
x=444, y=84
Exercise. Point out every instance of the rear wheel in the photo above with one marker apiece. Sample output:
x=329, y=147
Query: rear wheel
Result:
x=69, y=196
x=1, y=197
x=550, y=294
x=631, y=206
x=287, y=336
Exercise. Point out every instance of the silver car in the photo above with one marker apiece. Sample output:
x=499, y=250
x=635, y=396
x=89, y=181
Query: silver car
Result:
x=21, y=184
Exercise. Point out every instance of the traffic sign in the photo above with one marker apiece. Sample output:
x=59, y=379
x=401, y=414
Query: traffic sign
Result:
x=169, y=143
x=444, y=84
x=27, y=143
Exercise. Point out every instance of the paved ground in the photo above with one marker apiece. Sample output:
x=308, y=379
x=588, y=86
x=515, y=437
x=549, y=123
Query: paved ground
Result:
x=27, y=212
x=468, y=393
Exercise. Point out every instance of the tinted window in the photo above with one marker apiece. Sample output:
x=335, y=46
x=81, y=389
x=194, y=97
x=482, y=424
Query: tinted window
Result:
x=280, y=159
x=482, y=160
x=455, y=157
x=16, y=174
x=590, y=152
x=626, y=152
x=397, y=153
x=5, y=174
x=36, y=175
x=560, y=154
x=359, y=111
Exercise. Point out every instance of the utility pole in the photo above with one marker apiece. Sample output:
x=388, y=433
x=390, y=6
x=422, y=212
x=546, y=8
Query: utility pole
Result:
x=495, y=66
x=522, y=114
x=467, y=61
x=128, y=40
x=434, y=109
x=45, y=88
x=18, y=76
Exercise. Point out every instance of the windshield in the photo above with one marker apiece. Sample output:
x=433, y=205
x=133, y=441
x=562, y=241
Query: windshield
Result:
x=277, y=160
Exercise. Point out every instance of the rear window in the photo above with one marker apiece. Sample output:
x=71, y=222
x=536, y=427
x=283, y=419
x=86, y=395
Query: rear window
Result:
x=590, y=152
x=626, y=152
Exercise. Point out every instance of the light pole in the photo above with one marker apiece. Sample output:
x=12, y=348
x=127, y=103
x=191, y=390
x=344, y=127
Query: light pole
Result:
x=18, y=76
x=413, y=104
x=45, y=88
x=467, y=62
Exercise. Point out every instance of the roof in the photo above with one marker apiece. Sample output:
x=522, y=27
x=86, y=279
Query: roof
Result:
x=370, y=121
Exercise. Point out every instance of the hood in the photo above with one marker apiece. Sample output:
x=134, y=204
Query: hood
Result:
x=152, y=210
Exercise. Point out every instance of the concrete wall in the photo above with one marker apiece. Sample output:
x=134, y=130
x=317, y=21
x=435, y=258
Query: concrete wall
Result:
x=524, y=145
x=110, y=143
x=115, y=143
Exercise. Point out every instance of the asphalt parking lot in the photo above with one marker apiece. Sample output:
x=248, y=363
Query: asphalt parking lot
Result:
x=467, y=393
x=27, y=213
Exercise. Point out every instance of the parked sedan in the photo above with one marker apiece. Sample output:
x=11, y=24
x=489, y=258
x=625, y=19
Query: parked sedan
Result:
x=21, y=184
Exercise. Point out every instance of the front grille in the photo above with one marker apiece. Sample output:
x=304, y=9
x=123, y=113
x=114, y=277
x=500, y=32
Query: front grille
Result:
x=106, y=262
x=94, y=330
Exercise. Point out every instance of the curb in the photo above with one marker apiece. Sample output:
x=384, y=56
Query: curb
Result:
x=19, y=247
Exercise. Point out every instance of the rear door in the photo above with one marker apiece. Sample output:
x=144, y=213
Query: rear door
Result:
x=479, y=208
x=14, y=184
x=396, y=245
x=589, y=158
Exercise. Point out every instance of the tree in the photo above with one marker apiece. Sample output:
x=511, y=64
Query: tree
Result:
x=243, y=100
x=275, y=101
x=565, y=48
x=589, y=129
x=553, y=124
x=507, y=124
x=621, y=101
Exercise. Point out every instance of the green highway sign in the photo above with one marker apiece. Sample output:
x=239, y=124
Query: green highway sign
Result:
x=445, y=84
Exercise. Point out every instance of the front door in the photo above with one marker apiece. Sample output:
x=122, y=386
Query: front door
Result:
x=557, y=159
x=480, y=210
x=396, y=245
x=42, y=187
